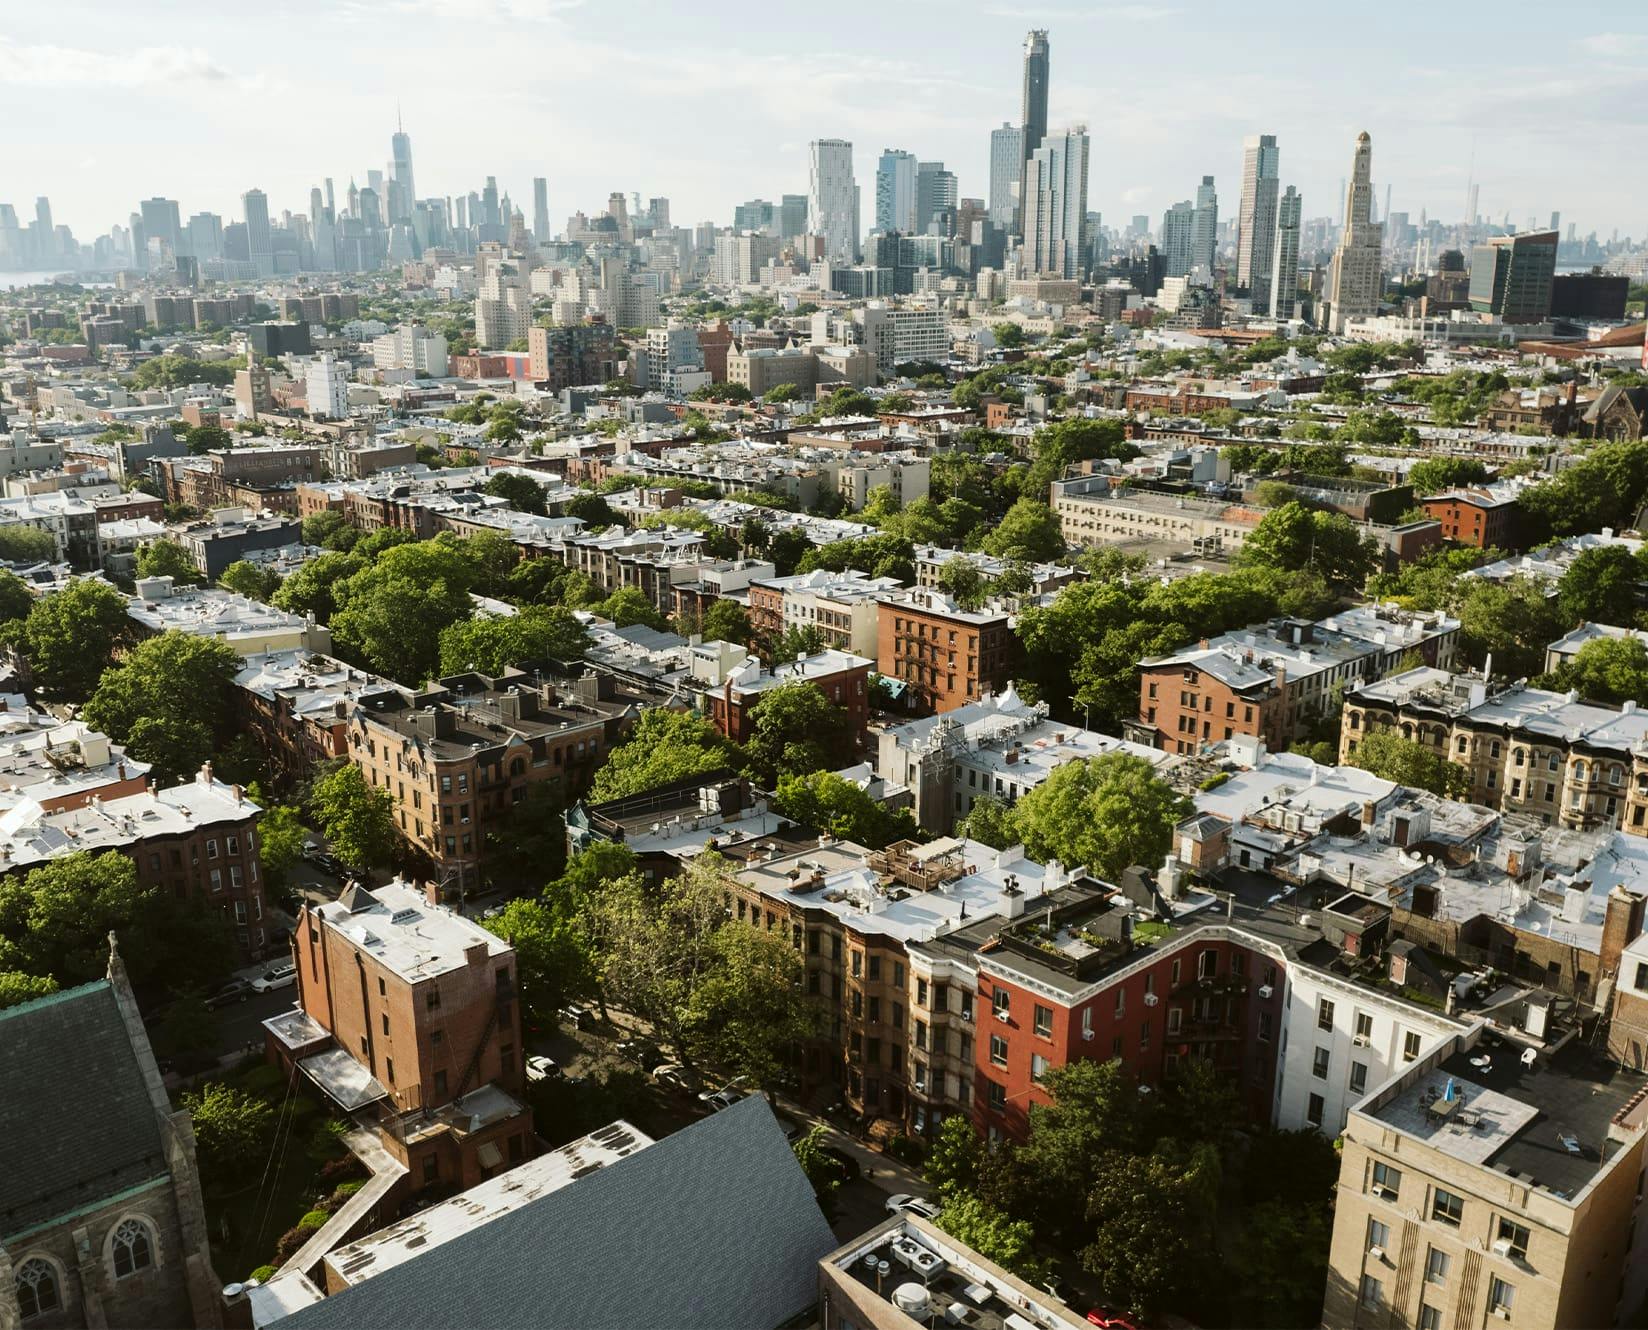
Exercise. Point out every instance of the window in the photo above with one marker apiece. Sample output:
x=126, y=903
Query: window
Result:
x=1001, y=1003
x=1038, y=1067
x=431, y=1168
x=1447, y=1208
x=1501, y=1297
x=1264, y=1027
x=1044, y=1021
x=1313, y=1110
x=998, y=1050
x=390, y=1064
x=1324, y=1015
x=1372, y=1291
x=1319, y=1065
x=1378, y=1235
x=432, y=1000
x=1429, y=1318
x=132, y=1248
x=1387, y=1180
x=1364, y=1027
x=440, y=1086
x=1358, y=1077
x=875, y=967
x=1512, y=1240
x=998, y=1096
x=385, y=1018
x=857, y=963
x=36, y=1282
x=1436, y=1266
x=1410, y=1046
x=1207, y=964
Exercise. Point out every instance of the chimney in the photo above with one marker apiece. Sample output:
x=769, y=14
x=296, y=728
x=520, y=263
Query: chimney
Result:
x=1620, y=925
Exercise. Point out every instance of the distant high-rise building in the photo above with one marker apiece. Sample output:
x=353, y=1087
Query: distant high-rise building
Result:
x=832, y=198
x=1033, y=108
x=260, y=249
x=1204, y=235
x=540, y=209
x=1354, y=275
x=404, y=194
x=755, y=215
x=1284, y=267
x=1256, y=217
x=1511, y=276
x=895, y=191
x=937, y=193
x=791, y=219
x=160, y=222
x=1006, y=173
x=206, y=236
x=1556, y=221
x=1055, y=206
x=658, y=210
x=1178, y=232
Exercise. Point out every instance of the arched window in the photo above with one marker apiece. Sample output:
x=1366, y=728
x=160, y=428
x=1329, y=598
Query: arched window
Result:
x=132, y=1248
x=36, y=1282
x=1579, y=771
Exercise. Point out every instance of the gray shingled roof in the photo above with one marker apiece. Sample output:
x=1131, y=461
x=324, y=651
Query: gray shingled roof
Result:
x=76, y=1121
x=713, y=1228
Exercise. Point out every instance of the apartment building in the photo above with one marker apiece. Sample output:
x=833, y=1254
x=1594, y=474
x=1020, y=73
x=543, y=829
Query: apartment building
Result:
x=254, y=478
x=1274, y=680
x=932, y=560
x=945, y=655
x=61, y=764
x=296, y=706
x=1093, y=510
x=457, y=757
x=408, y=1015
x=249, y=626
x=1497, y=1178
x=730, y=696
x=1484, y=516
x=843, y=607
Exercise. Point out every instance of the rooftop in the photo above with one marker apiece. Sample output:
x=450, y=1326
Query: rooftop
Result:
x=414, y=939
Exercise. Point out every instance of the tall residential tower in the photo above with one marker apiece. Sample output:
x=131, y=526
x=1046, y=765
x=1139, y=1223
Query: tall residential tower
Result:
x=1256, y=218
x=1055, y=206
x=1354, y=274
x=832, y=198
x=1284, y=267
x=1033, y=114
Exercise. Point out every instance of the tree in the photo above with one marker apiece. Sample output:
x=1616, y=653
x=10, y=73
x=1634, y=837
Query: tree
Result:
x=990, y=822
x=1107, y=813
x=822, y=1170
x=16, y=601
x=795, y=729
x=26, y=544
x=390, y=614
x=281, y=835
x=71, y=636
x=495, y=643
x=358, y=819
x=664, y=746
x=232, y=1130
x=1008, y=335
x=313, y=588
x=1511, y=621
x=592, y=509
x=521, y=492
x=750, y=1012
x=628, y=606
x=995, y=1235
x=167, y=701
x=956, y=1156
x=726, y=621
x=963, y=581
x=1389, y=756
x=1433, y=474
x=1095, y=1107
x=1293, y=537
x=783, y=392
x=1608, y=669
x=1150, y=1218
x=251, y=580
x=552, y=952
x=829, y=803
x=1030, y=531
x=326, y=527
x=166, y=558
x=203, y=439
x=1600, y=586
x=17, y=988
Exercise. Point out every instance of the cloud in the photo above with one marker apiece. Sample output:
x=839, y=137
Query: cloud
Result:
x=467, y=11
x=1127, y=13
x=69, y=66
x=1615, y=44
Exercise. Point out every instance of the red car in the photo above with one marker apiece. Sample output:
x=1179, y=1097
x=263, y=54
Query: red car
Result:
x=1106, y=1319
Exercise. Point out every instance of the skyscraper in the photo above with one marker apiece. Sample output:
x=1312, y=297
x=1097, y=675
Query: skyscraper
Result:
x=1511, y=276
x=260, y=249
x=540, y=209
x=791, y=217
x=895, y=191
x=1055, y=206
x=832, y=198
x=403, y=195
x=1204, y=229
x=1006, y=171
x=1284, y=265
x=1178, y=230
x=160, y=222
x=1256, y=217
x=937, y=193
x=1352, y=290
x=1033, y=112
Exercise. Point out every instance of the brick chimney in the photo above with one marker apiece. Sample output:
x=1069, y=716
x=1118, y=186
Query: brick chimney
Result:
x=1620, y=926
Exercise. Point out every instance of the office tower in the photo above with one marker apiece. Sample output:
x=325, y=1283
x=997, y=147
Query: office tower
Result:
x=206, y=236
x=1178, y=231
x=1556, y=222
x=1033, y=109
x=403, y=196
x=331, y=198
x=1511, y=276
x=659, y=210
x=792, y=216
x=756, y=215
x=832, y=198
x=1284, y=267
x=895, y=191
x=1006, y=171
x=1353, y=281
x=370, y=213
x=1204, y=234
x=1055, y=206
x=489, y=206
x=1471, y=203
x=540, y=209
x=260, y=249
x=936, y=196
x=1256, y=217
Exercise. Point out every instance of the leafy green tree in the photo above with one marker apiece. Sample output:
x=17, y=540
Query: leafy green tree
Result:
x=1605, y=488
x=521, y=492
x=829, y=803
x=251, y=580
x=1150, y=1217
x=357, y=818
x=203, y=439
x=1008, y=335
x=726, y=621
x=1431, y=581
x=16, y=601
x=493, y=644
x=593, y=510
x=628, y=606
x=1433, y=474
x=71, y=636
x=1294, y=537
x=956, y=1157
x=796, y=729
x=1609, y=669
x=1511, y=621
x=1107, y=813
x=962, y=580
x=281, y=835
x=784, y=392
x=232, y=1130
x=995, y=1235
x=552, y=952
x=1408, y=762
x=664, y=746
x=26, y=544
x=324, y=527
x=167, y=701
x=749, y=1013
x=1030, y=531
x=990, y=822
x=1600, y=586
x=17, y=988
x=175, y=371
x=1067, y=442
x=166, y=558
x=787, y=549
x=390, y=614
x=1095, y=1107
x=821, y=1169
x=313, y=588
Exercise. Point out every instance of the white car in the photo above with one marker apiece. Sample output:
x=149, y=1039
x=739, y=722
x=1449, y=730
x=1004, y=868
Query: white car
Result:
x=541, y=1068
x=721, y=1099
x=904, y=1204
x=282, y=976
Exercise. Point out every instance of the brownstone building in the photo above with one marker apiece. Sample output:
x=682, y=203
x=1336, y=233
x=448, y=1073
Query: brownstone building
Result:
x=1477, y=517
x=242, y=477
x=296, y=706
x=841, y=677
x=947, y=656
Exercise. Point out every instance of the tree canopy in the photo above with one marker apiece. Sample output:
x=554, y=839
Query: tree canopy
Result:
x=664, y=746
x=356, y=817
x=1108, y=813
x=167, y=701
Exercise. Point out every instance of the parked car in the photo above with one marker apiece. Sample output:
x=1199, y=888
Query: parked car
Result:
x=793, y=1130
x=575, y=1016
x=673, y=1076
x=719, y=1099
x=541, y=1068
x=646, y=1055
x=281, y=976
x=902, y=1203
x=851, y=1170
x=236, y=990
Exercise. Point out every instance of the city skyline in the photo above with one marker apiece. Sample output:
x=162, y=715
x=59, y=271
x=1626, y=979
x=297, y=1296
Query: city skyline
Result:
x=1148, y=149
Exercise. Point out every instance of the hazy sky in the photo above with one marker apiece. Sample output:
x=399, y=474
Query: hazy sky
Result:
x=711, y=102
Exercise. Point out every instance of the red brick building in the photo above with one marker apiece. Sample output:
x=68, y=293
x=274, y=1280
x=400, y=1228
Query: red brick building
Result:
x=1476, y=517
x=946, y=656
x=842, y=678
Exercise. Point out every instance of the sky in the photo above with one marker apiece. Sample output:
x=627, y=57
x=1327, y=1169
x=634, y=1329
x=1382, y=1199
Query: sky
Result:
x=710, y=103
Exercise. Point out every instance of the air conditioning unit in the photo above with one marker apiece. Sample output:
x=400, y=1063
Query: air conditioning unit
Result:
x=1502, y=1247
x=1361, y=1040
x=1384, y=1193
x=1087, y=1034
x=1377, y=1253
x=1265, y=990
x=1503, y=1313
x=1150, y=999
x=1001, y=1015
